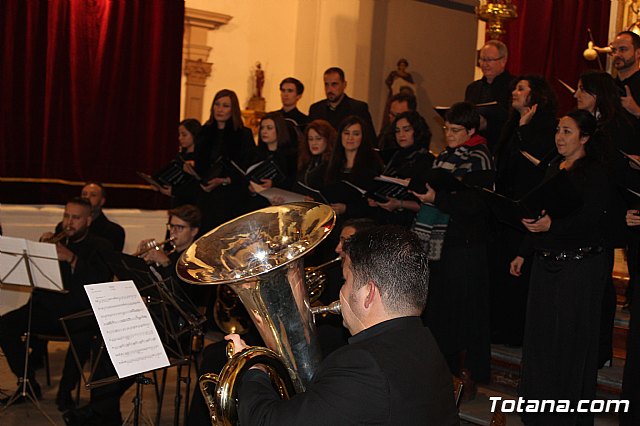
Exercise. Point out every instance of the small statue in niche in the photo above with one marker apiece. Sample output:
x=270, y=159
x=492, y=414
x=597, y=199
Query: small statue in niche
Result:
x=400, y=80
x=257, y=102
x=259, y=79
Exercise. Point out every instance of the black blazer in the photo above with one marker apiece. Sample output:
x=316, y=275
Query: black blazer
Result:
x=390, y=374
x=348, y=106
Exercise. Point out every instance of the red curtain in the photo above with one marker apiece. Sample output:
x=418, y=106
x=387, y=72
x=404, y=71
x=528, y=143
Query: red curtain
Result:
x=90, y=91
x=549, y=36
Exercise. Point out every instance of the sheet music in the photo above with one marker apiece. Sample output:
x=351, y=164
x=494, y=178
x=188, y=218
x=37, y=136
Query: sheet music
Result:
x=127, y=328
x=12, y=268
x=43, y=262
x=45, y=268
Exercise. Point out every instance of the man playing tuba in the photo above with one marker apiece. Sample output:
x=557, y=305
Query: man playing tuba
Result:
x=392, y=371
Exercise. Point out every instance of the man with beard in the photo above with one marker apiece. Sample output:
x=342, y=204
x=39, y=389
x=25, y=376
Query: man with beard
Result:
x=100, y=225
x=338, y=105
x=625, y=51
x=80, y=259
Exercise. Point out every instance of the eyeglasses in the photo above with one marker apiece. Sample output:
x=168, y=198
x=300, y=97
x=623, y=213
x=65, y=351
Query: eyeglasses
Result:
x=454, y=130
x=489, y=59
x=174, y=227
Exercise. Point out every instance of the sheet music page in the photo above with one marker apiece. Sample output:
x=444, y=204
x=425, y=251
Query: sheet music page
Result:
x=127, y=328
x=12, y=267
x=45, y=268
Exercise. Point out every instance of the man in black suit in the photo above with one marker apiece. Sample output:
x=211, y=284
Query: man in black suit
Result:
x=100, y=225
x=494, y=86
x=392, y=371
x=80, y=257
x=338, y=105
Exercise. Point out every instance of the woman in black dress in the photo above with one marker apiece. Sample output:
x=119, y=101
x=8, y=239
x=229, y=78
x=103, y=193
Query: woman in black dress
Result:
x=314, y=153
x=560, y=348
x=275, y=148
x=457, y=311
x=223, y=139
x=355, y=162
x=527, y=135
x=411, y=160
x=186, y=190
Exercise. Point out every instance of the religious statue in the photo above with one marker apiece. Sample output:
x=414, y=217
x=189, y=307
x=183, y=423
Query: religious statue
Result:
x=259, y=79
x=400, y=80
x=257, y=102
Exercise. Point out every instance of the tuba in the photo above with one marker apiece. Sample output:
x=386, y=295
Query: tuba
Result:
x=259, y=256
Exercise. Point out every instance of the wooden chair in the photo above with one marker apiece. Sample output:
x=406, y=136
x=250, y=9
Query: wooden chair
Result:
x=46, y=338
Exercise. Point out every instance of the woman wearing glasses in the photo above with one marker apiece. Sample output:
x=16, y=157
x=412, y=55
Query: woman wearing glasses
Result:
x=457, y=310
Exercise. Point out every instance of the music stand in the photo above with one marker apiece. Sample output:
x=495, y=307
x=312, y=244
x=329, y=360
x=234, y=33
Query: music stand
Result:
x=175, y=317
x=29, y=264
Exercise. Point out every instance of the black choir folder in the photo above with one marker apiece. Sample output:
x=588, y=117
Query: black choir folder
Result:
x=557, y=196
x=266, y=169
x=171, y=175
x=385, y=187
x=439, y=179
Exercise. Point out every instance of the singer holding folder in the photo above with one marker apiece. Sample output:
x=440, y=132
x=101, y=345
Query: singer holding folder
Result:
x=560, y=348
x=458, y=306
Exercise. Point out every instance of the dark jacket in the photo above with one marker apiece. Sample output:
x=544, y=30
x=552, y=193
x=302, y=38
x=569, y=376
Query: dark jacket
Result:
x=390, y=374
x=348, y=106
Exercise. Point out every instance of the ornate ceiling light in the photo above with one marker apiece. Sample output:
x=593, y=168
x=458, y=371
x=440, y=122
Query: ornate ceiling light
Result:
x=495, y=13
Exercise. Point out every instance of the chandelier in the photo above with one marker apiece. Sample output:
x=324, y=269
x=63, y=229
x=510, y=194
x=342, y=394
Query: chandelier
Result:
x=495, y=13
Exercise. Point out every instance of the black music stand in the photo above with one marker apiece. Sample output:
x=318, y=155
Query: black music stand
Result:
x=175, y=317
x=28, y=264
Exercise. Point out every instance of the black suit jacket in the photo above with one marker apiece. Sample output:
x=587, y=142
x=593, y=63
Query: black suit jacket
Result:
x=390, y=374
x=348, y=106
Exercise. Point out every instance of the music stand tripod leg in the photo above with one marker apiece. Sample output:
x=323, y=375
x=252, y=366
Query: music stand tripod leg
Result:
x=25, y=389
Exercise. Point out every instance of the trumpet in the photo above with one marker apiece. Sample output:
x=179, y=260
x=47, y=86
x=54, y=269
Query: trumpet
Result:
x=57, y=237
x=154, y=245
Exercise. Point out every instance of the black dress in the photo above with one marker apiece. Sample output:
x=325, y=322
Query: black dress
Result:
x=407, y=163
x=560, y=349
x=213, y=145
x=516, y=175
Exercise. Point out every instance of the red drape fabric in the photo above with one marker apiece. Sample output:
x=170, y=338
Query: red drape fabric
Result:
x=90, y=90
x=549, y=36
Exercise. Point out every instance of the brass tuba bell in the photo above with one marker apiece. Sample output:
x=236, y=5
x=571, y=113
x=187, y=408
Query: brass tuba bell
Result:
x=259, y=255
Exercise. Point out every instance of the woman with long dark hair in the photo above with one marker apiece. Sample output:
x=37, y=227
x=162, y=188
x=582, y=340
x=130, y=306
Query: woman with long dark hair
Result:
x=277, y=156
x=560, y=348
x=353, y=160
x=223, y=139
x=186, y=191
x=314, y=153
x=525, y=148
x=598, y=94
x=411, y=160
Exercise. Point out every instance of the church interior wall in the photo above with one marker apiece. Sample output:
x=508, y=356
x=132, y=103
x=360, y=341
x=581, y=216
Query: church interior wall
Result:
x=364, y=37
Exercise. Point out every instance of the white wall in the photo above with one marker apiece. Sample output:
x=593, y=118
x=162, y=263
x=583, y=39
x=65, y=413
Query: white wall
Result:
x=302, y=38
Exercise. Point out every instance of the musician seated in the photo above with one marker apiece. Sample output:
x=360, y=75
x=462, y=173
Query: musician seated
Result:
x=100, y=225
x=392, y=371
x=183, y=226
x=79, y=255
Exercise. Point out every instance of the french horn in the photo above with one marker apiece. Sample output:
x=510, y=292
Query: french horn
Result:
x=260, y=256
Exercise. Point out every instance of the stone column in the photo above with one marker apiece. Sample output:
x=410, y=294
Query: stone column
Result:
x=197, y=69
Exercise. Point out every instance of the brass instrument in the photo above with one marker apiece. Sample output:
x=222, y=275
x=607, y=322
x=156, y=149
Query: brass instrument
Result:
x=57, y=237
x=333, y=308
x=230, y=315
x=154, y=245
x=259, y=256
